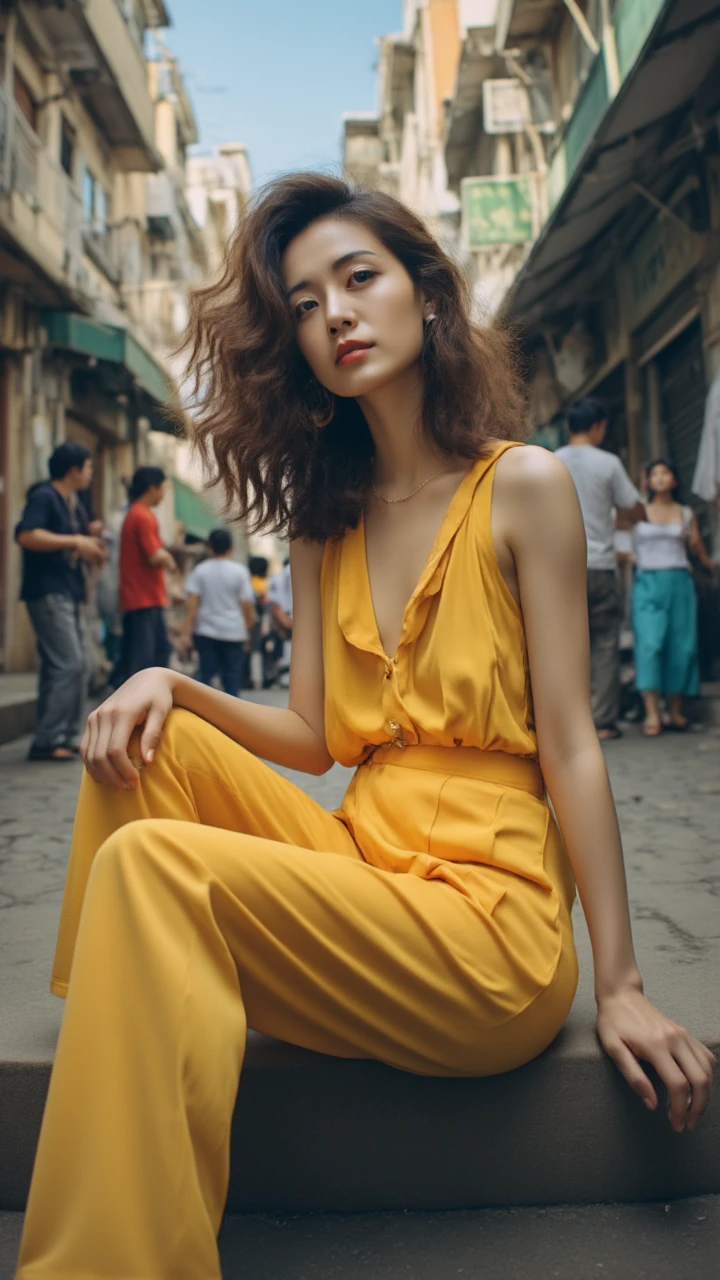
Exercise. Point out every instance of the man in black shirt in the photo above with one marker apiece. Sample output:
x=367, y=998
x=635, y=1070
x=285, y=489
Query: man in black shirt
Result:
x=53, y=588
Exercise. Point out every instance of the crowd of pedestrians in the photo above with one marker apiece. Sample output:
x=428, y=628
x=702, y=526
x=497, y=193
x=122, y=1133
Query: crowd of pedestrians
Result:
x=237, y=620
x=663, y=603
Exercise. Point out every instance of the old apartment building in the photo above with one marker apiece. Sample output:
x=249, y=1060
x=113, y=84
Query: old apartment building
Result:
x=580, y=143
x=570, y=151
x=400, y=147
x=98, y=249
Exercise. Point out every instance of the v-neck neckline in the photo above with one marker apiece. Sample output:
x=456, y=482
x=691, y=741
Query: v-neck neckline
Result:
x=441, y=539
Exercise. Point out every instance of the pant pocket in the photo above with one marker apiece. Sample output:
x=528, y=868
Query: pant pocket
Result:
x=483, y=822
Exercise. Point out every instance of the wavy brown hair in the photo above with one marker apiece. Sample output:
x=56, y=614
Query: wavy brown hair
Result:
x=255, y=397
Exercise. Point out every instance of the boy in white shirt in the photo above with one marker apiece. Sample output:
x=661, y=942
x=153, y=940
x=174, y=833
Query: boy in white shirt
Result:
x=220, y=611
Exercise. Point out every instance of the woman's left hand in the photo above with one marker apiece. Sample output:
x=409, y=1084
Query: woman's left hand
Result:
x=631, y=1028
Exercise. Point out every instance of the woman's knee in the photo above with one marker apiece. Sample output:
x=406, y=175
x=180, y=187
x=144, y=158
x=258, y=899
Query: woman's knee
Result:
x=180, y=727
x=131, y=847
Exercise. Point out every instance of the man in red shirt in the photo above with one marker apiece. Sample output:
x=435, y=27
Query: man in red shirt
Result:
x=143, y=561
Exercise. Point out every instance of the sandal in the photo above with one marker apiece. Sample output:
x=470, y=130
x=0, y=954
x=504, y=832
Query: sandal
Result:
x=673, y=727
x=609, y=732
x=651, y=730
x=49, y=753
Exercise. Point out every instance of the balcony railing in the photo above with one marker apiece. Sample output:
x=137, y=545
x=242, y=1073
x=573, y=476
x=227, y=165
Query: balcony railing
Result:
x=15, y=132
x=633, y=22
x=60, y=203
x=100, y=244
x=31, y=172
x=25, y=151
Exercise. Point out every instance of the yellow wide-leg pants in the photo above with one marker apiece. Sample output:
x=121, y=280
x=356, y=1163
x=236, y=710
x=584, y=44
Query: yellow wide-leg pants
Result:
x=213, y=896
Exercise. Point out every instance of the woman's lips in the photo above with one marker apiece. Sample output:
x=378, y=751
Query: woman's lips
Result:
x=351, y=357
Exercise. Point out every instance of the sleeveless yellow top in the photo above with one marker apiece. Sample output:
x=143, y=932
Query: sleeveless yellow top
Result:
x=460, y=674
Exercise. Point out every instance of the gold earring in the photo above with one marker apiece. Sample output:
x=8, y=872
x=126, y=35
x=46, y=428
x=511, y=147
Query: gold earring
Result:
x=320, y=404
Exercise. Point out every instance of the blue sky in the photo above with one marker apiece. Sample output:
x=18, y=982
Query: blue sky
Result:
x=278, y=74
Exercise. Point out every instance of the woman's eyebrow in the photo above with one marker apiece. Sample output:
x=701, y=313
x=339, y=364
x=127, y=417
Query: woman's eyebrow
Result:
x=340, y=262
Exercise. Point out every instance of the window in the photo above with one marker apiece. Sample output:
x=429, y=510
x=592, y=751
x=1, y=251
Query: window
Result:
x=102, y=210
x=88, y=195
x=96, y=203
x=24, y=99
x=67, y=146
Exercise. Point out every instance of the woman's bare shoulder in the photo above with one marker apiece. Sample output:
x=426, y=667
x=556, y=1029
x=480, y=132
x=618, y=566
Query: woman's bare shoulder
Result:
x=533, y=475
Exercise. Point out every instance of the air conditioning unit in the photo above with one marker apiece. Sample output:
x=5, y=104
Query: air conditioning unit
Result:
x=506, y=108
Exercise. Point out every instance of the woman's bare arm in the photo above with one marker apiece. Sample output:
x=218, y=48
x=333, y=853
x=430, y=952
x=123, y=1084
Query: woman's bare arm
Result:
x=536, y=500
x=697, y=546
x=536, y=516
x=293, y=737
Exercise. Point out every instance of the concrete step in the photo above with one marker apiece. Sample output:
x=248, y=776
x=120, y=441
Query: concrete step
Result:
x=18, y=705
x=317, y=1133
x=660, y=1241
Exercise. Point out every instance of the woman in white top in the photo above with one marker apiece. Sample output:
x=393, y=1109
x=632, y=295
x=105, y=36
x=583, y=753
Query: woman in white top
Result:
x=664, y=606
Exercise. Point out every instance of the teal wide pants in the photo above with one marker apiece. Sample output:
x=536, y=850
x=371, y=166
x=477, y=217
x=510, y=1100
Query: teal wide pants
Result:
x=664, y=619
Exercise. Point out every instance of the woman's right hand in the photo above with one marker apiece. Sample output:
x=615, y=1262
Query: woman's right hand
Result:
x=146, y=698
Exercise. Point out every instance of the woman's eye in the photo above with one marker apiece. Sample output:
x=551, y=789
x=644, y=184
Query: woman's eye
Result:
x=303, y=308
x=365, y=272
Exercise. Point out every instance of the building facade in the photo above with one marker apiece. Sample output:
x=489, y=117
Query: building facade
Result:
x=98, y=249
x=219, y=187
x=581, y=142
x=589, y=179
x=400, y=148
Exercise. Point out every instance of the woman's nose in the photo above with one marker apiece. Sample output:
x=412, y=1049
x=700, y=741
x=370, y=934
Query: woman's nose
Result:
x=339, y=316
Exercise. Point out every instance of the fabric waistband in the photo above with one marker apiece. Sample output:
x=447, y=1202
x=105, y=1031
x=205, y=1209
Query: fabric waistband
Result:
x=468, y=762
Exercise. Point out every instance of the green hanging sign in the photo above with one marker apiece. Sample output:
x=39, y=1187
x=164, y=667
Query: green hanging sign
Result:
x=497, y=211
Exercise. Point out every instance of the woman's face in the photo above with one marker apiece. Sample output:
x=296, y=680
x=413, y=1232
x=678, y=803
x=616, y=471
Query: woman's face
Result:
x=661, y=479
x=344, y=287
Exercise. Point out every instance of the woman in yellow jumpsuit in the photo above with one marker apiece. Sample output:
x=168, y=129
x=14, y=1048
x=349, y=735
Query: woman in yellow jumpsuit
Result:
x=426, y=922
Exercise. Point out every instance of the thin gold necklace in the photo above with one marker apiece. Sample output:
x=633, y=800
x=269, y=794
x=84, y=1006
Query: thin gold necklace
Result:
x=408, y=495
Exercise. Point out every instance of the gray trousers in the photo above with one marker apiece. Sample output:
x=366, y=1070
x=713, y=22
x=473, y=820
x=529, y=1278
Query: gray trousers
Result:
x=605, y=610
x=59, y=632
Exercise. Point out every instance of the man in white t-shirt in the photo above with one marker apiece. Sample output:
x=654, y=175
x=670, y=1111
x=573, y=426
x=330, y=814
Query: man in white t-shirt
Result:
x=603, y=487
x=219, y=614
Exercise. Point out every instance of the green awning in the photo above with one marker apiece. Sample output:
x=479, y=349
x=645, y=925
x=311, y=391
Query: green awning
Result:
x=194, y=511
x=107, y=342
